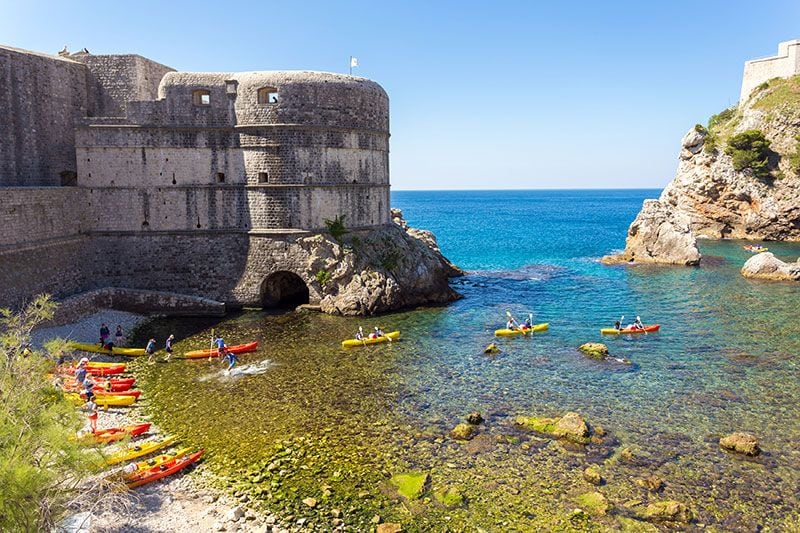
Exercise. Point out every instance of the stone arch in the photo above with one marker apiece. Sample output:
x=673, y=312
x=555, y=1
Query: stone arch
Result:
x=284, y=289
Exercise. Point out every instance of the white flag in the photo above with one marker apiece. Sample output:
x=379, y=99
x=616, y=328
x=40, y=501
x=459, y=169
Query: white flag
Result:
x=353, y=61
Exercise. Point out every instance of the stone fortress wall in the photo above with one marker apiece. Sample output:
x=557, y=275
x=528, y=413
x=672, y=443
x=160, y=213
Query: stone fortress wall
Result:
x=194, y=183
x=783, y=65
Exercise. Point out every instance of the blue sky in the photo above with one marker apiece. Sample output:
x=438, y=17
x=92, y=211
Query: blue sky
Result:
x=483, y=94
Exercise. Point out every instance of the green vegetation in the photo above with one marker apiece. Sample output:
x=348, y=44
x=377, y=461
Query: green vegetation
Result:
x=699, y=128
x=719, y=127
x=782, y=93
x=750, y=150
x=336, y=227
x=390, y=260
x=323, y=277
x=794, y=158
x=40, y=467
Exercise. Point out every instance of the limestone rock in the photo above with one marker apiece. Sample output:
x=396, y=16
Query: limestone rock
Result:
x=595, y=503
x=653, y=483
x=311, y=502
x=389, y=527
x=450, y=498
x=572, y=427
x=765, y=265
x=474, y=418
x=592, y=475
x=234, y=514
x=667, y=511
x=659, y=235
x=595, y=350
x=463, y=431
x=692, y=143
x=744, y=443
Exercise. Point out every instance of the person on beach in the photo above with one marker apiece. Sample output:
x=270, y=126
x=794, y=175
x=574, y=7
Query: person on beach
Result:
x=150, y=350
x=91, y=407
x=220, y=344
x=80, y=370
x=105, y=333
x=119, y=336
x=88, y=388
x=168, y=347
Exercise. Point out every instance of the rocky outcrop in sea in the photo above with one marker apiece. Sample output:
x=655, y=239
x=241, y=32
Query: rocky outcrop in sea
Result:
x=766, y=266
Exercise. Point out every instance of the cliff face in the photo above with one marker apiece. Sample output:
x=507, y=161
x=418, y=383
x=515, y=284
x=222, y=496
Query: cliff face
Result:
x=738, y=178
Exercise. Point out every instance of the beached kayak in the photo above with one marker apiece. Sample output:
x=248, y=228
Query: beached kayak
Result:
x=163, y=470
x=115, y=434
x=239, y=348
x=350, y=343
x=100, y=392
x=613, y=331
x=133, y=452
x=103, y=401
x=158, y=460
x=111, y=384
x=510, y=332
x=95, y=370
x=96, y=348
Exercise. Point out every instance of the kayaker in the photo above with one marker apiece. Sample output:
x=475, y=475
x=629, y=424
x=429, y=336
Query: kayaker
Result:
x=618, y=325
x=168, y=347
x=104, y=334
x=92, y=408
x=637, y=324
x=119, y=336
x=511, y=324
x=150, y=350
x=80, y=370
x=527, y=324
x=220, y=344
x=379, y=332
x=360, y=334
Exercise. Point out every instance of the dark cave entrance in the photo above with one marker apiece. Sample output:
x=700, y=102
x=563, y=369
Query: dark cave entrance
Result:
x=284, y=289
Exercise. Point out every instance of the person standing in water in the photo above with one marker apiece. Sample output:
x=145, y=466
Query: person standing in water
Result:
x=168, y=347
x=150, y=349
x=231, y=358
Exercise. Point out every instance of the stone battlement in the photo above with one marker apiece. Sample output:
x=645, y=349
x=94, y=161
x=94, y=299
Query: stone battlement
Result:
x=783, y=65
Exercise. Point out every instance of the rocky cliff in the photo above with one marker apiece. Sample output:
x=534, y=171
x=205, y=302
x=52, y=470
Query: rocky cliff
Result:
x=369, y=272
x=739, y=177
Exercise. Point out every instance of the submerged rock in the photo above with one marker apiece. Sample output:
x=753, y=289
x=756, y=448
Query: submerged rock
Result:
x=766, y=266
x=668, y=511
x=592, y=475
x=410, y=485
x=659, y=234
x=451, y=498
x=595, y=350
x=389, y=527
x=463, y=431
x=743, y=443
x=652, y=483
x=571, y=427
x=474, y=418
x=595, y=503
x=491, y=349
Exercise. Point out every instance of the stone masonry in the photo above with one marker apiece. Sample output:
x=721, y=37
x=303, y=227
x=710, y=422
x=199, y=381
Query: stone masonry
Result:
x=783, y=65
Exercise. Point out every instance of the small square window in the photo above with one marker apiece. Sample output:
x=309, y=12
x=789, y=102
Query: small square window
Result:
x=268, y=95
x=201, y=97
x=263, y=177
x=220, y=177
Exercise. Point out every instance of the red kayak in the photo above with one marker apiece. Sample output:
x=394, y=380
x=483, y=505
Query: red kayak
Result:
x=163, y=470
x=115, y=434
x=613, y=331
x=110, y=385
x=96, y=371
x=100, y=392
x=239, y=348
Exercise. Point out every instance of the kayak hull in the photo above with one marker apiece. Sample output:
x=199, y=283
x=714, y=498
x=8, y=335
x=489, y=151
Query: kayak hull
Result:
x=134, y=452
x=100, y=392
x=110, y=400
x=512, y=332
x=352, y=343
x=239, y=348
x=158, y=460
x=96, y=348
x=111, y=385
x=115, y=434
x=157, y=472
x=95, y=370
x=627, y=331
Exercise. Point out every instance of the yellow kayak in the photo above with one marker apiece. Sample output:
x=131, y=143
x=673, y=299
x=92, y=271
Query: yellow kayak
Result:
x=132, y=452
x=510, y=332
x=96, y=348
x=103, y=400
x=391, y=336
x=158, y=460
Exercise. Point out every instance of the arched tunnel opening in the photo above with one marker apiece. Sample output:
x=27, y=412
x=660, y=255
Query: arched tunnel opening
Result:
x=284, y=289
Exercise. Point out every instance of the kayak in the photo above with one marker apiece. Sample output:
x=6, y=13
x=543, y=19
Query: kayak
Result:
x=613, y=331
x=96, y=348
x=100, y=392
x=158, y=460
x=350, y=343
x=755, y=249
x=163, y=470
x=115, y=434
x=103, y=401
x=239, y=348
x=95, y=371
x=510, y=332
x=112, y=385
x=133, y=452
x=93, y=364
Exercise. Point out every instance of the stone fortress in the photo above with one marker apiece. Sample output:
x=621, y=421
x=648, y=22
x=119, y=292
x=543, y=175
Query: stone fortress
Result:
x=119, y=172
x=784, y=65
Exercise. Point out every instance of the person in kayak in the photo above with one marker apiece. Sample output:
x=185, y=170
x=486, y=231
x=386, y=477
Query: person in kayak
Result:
x=168, y=347
x=511, y=324
x=360, y=334
x=220, y=344
x=150, y=350
x=637, y=324
x=80, y=370
x=527, y=324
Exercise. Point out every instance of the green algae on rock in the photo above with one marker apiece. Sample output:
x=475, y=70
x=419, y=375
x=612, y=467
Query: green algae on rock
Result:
x=463, y=431
x=571, y=427
x=592, y=475
x=595, y=350
x=743, y=443
x=668, y=511
x=411, y=485
x=595, y=503
x=451, y=497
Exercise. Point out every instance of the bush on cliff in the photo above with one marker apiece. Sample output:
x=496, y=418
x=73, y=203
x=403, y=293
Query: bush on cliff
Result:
x=336, y=227
x=750, y=150
x=40, y=467
x=794, y=159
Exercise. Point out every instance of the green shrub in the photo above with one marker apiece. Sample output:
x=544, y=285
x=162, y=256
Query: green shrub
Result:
x=721, y=118
x=390, y=261
x=41, y=464
x=323, y=277
x=699, y=128
x=794, y=159
x=336, y=227
x=710, y=143
x=750, y=150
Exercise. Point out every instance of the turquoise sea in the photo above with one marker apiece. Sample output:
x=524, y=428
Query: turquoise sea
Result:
x=727, y=359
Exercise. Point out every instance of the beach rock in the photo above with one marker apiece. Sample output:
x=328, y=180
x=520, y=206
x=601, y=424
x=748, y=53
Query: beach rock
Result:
x=491, y=349
x=659, y=234
x=765, y=265
x=743, y=443
x=389, y=527
x=653, y=483
x=667, y=511
x=571, y=426
x=463, y=431
x=595, y=350
x=311, y=502
x=410, y=485
x=234, y=514
x=592, y=475
x=595, y=503
x=451, y=497
x=474, y=418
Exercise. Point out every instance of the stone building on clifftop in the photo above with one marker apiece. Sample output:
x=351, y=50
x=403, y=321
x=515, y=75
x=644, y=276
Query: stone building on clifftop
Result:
x=117, y=171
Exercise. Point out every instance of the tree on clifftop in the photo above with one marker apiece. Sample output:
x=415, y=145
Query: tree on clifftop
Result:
x=751, y=150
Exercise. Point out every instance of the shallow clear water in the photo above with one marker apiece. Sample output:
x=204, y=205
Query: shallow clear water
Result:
x=726, y=359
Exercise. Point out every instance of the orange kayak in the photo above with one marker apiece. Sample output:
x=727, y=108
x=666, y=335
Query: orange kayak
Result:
x=163, y=470
x=100, y=392
x=95, y=371
x=115, y=434
x=110, y=385
x=239, y=348
x=613, y=331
